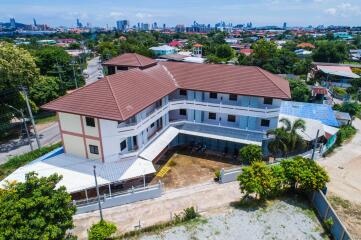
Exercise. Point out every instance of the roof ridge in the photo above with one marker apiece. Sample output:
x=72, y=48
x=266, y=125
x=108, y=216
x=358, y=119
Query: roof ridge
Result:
x=115, y=99
x=262, y=71
x=136, y=56
x=171, y=75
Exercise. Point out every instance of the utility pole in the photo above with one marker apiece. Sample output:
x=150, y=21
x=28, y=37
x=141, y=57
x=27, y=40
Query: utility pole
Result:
x=97, y=188
x=315, y=144
x=31, y=115
x=76, y=83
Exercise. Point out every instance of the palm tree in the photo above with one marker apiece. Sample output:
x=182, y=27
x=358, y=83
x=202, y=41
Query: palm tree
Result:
x=286, y=139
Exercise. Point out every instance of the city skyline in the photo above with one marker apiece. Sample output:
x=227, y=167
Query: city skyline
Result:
x=101, y=13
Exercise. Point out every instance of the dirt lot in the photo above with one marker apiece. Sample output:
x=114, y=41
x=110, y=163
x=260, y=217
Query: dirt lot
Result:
x=349, y=213
x=188, y=170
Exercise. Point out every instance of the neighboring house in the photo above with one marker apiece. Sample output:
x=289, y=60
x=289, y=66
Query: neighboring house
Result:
x=246, y=51
x=175, y=43
x=128, y=61
x=124, y=122
x=302, y=53
x=306, y=45
x=163, y=50
x=334, y=74
x=343, y=118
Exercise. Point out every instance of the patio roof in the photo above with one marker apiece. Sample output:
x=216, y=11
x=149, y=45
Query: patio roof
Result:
x=341, y=71
x=78, y=172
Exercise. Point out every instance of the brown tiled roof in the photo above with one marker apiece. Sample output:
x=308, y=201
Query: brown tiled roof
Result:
x=126, y=93
x=242, y=80
x=130, y=59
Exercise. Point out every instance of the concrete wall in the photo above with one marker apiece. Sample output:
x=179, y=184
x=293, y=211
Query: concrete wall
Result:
x=95, y=143
x=74, y=145
x=70, y=122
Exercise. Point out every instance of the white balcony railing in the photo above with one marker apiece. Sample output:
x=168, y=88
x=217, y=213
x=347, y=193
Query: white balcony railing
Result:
x=131, y=130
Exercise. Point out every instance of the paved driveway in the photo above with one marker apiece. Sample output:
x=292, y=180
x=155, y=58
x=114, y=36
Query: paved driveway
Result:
x=206, y=196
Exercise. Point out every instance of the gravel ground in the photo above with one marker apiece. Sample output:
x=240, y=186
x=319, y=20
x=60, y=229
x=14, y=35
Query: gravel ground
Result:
x=281, y=219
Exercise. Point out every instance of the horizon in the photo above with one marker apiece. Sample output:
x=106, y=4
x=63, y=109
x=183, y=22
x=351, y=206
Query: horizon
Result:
x=107, y=12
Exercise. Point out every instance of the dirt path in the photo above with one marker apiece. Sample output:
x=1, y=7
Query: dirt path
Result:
x=206, y=196
x=344, y=168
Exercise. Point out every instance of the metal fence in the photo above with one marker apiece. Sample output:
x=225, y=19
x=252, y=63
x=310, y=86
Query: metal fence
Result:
x=120, y=198
x=325, y=211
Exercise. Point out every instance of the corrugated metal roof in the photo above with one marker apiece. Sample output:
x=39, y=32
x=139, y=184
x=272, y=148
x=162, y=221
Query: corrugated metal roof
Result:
x=120, y=96
x=321, y=112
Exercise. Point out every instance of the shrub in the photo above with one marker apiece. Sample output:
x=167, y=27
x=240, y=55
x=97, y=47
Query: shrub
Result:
x=101, y=230
x=217, y=174
x=250, y=153
x=339, y=91
x=189, y=214
x=328, y=223
x=345, y=133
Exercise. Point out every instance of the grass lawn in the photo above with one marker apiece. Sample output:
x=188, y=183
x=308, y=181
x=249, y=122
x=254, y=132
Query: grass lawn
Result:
x=45, y=119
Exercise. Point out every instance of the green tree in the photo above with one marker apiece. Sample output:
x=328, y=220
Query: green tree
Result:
x=353, y=108
x=35, y=209
x=250, y=153
x=264, y=52
x=17, y=68
x=224, y=51
x=299, y=91
x=330, y=51
x=259, y=179
x=305, y=174
x=46, y=89
x=286, y=139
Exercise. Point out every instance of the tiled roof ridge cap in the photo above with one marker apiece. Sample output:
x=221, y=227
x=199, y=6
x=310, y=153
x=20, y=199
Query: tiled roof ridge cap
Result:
x=262, y=71
x=115, y=99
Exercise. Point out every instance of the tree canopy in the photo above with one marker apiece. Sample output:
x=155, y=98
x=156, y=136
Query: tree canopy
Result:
x=35, y=209
x=250, y=153
x=330, y=51
x=299, y=91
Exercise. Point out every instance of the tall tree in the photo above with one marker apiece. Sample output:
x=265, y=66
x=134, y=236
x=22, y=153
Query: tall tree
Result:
x=35, y=209
x=330, y=51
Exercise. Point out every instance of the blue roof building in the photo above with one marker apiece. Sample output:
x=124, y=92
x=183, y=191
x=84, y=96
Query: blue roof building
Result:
x=321, y=112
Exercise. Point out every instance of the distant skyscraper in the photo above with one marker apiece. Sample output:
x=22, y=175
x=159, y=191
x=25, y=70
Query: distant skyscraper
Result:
x=163, y=26
x=12, y=23
x=284, y=25
x=155, y=25
x=34, y=21
x=78, y=23
x=122, y=25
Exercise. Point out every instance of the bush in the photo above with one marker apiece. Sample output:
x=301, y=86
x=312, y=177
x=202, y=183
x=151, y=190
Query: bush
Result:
x=353, y=108
x=217, y=174
x=15, y=162
x=345, y=133
x=339, y=91
x=101, y=230
x=250, y=153
x=189, y=214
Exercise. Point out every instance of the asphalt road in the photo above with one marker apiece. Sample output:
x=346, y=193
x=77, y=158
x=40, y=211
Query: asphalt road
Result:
x=51, y=134
x=47, y=136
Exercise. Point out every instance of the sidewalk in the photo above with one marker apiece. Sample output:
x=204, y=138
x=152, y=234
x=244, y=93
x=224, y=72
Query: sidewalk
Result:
x=205, y=197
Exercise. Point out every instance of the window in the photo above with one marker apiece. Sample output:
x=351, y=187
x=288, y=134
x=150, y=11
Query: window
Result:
x=232, y=97
x=93, y=149
x=212, y=95
x=152, y=125
x=183, y=92
x=90, y=121
x=267, y=101
x=123, y=145
x=212, y=115
x=183, y=112
x=231, y=118
x=265, y=122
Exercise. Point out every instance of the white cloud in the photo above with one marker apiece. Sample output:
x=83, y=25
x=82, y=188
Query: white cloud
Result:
x=331, y=11
x=143, y=15
x=116, y=15
x=345, y=10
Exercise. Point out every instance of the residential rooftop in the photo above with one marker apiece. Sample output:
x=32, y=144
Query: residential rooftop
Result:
x=122, y=95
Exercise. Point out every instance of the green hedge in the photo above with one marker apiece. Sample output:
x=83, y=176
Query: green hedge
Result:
x=345, y=133
x=15, y=162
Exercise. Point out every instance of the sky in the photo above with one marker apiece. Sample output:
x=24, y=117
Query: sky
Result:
x=172, y=12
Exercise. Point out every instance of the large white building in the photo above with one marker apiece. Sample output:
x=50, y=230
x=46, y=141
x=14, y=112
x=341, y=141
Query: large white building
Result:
x=125, y=121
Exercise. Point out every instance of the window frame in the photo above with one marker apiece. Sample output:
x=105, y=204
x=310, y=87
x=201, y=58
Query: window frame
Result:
x=266, y=101
x=183, y=92
x=211, y=113
x=265, y=120
x=233, y=116
x=90, y=121
x=231, y=97
x=211, y=95
x=125, y=145
x=94, y=149
x=181, y=112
